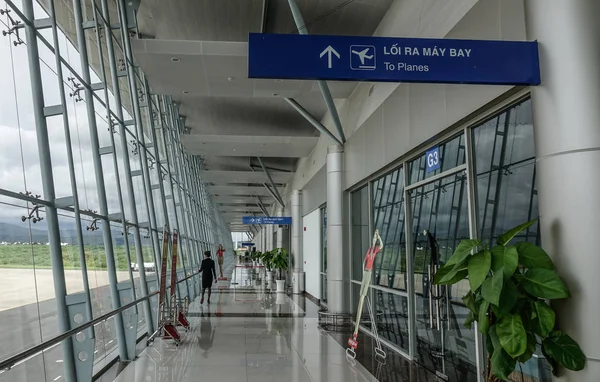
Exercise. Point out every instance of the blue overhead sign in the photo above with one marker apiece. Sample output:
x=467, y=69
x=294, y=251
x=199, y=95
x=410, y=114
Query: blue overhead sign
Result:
x=280, y=220
x=433, y=160
x=390, y=59
x=245, y=244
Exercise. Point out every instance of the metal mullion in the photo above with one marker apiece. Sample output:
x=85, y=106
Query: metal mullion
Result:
x=148, y=185
x=408, y=228
x=72, y=176
x=439, y=176
x=183, y=198
x=390, y=290
x=107, y=235
x=143, y=162
x=192, y=207
x=124, y=230
x=473, y=230
x=43, y=145
x=169, y=111
x=160, y=170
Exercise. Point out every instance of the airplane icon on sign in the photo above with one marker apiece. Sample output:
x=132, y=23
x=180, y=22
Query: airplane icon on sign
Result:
x=362, y=57
x=363, y=54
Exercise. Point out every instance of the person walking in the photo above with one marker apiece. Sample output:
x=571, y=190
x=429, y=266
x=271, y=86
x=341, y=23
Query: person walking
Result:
x=207, y=268
x=220, y=253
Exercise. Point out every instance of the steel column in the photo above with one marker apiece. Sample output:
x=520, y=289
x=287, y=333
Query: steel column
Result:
x=299, y=20
x=318, y=125
x=72, y=176
x=103, y=207
x=335, y=227
x=274, y=190
x=41, y=127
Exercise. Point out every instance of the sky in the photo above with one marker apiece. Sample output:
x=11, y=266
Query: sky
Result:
x=19, y=157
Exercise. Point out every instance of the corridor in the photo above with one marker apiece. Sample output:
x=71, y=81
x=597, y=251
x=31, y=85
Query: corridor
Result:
x=249, y=334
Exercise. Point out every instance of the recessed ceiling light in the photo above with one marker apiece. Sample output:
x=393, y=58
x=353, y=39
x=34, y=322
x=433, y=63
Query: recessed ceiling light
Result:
x=230, y=78
x=186, y=92
x=278, y=80
x=275, y=94
x=175, y=59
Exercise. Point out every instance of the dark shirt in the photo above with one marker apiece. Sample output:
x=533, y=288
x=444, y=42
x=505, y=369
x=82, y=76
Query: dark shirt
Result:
x=206, y=267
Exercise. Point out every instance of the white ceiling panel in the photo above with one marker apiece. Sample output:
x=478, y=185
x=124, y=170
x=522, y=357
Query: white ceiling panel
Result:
x=228, y=199
x=241, y=190
x=261, y=146
x=215, y=69
x=225, y=177
x=248, y=209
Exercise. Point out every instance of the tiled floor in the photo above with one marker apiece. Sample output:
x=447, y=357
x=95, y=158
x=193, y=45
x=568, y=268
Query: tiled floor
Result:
x=249, y=334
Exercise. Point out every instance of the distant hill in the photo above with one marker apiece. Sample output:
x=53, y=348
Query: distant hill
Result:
x=12, y=233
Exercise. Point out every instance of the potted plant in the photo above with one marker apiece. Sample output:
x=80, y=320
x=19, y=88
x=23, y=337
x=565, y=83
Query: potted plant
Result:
x=280, y=263
x=509, y=287
x=267, y=259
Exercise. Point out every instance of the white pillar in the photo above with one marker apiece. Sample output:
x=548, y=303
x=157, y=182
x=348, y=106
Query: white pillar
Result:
x=297, y=255
x=566, y=119
x=269, y=232
x=280, y=230
x=335, y=243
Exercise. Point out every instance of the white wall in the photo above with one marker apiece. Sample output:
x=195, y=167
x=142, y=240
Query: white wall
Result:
x=311, y=247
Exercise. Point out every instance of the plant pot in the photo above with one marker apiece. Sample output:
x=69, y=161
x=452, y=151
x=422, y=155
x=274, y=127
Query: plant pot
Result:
x=280, y=299
x=269, y=276
x=280, y=286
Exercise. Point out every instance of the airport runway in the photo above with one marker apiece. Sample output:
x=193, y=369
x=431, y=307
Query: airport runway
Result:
x=24, y=323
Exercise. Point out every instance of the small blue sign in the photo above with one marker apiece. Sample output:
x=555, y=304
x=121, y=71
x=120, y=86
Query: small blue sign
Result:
x=245, y=244
x=392, y=59
x=433, y=159
x=278, y=220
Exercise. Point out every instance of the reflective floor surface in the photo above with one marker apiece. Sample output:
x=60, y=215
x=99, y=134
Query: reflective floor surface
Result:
x=249, y=334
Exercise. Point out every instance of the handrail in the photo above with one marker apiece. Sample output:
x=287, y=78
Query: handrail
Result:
x=8, y=363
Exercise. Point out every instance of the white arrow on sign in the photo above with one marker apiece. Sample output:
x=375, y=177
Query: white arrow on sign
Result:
x=329, y=51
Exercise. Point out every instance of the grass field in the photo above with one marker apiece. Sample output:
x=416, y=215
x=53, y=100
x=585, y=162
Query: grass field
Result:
x=38, y=256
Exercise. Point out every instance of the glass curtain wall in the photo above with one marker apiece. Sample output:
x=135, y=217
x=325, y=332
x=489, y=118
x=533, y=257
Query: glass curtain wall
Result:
x=505, y=196
x=91, y=169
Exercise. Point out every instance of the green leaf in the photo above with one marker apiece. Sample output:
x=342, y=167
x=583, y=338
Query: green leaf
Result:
x=544, y=320
x=469, y=320
x=508, y=298
x=502, y=364
x=469, y=301
x=505, y=259
x=491, y=289
x=479, y=267
x=564, y=350
x=449, y=275
x=551, y=361
x=532, y=256
x=512, y=335
x=494, y=338
x=463, y=251
x=508, y=236
x=489, y=345
x=531, y=346
x=484, y=319
x=544, y=283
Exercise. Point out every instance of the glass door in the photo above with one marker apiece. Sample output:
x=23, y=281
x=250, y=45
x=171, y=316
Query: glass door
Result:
x=440, y=221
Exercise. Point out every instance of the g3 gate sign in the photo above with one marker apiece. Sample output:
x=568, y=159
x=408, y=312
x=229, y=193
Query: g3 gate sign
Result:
x=433, y=159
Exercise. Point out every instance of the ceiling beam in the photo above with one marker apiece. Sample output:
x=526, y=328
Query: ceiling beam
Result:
x=318, y=125
x=276, y=194
x=299, y=20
